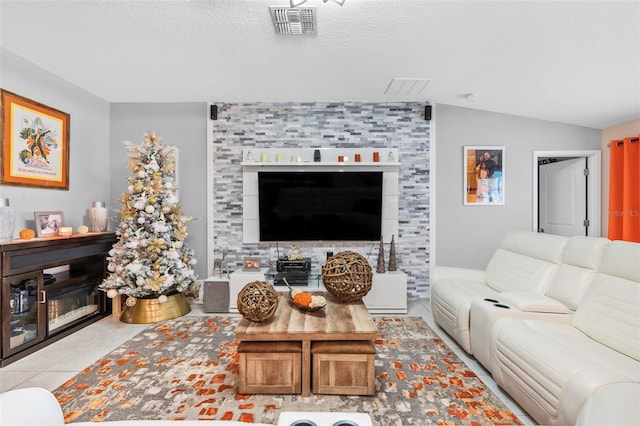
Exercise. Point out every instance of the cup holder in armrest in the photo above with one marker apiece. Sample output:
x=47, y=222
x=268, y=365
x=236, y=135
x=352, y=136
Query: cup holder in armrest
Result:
x=491, y=300
x=500, y=305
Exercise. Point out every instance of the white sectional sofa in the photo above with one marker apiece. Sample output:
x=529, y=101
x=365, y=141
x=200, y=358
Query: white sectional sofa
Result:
x=524, y=262
x=565, y=338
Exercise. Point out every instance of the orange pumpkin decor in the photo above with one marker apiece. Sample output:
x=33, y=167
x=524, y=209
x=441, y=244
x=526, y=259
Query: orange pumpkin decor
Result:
x=302, y=299
x=27, y=234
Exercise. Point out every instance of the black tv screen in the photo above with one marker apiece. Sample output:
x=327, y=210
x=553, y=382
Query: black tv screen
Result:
x=316, y=206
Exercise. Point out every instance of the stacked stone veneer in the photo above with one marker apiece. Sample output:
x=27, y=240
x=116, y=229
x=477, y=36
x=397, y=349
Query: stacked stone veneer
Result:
x=325, y=125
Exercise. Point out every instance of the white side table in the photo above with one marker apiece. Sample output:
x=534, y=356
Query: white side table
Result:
x=388, y=293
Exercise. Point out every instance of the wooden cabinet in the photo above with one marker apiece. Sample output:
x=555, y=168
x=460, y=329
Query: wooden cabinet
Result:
x=49, y=290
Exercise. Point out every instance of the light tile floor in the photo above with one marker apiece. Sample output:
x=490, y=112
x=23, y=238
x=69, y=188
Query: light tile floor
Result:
x=53, y=365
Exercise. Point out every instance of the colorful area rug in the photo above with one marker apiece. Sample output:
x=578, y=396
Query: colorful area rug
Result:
x=187, y=369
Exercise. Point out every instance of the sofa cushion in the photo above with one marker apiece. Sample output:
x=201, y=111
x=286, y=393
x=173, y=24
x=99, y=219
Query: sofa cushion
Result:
x=609, y=310
x=508, y=271
x=580, y=260
x=525, y=261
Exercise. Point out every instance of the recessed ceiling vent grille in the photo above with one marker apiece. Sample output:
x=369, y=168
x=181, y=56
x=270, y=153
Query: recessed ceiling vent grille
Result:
x=294, y=20
x=407, y=86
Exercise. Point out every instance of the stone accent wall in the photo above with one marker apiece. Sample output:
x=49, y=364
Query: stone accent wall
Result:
x=326, y=125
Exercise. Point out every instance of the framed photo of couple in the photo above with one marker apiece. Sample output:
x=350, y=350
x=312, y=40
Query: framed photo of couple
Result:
x=484, y=175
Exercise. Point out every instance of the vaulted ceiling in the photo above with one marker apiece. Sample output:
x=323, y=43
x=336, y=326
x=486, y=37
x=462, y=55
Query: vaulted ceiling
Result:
x=575, y=62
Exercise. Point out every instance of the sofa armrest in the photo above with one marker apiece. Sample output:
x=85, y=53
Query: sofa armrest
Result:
x=438, y=273
x=531, y=302
x=613, y=404
x=30, y=407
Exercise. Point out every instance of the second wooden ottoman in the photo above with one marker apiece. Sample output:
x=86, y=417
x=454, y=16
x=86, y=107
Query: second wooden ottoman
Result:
x=270, y=367
x=343, y=367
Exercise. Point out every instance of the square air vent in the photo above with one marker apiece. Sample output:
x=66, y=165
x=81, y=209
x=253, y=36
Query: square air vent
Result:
x=294, y=20
x=407, y=86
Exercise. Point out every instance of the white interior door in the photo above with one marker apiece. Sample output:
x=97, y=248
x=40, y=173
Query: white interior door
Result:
x=563, y=197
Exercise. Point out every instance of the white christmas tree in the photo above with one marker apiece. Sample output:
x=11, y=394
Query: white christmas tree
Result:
x=151, y=258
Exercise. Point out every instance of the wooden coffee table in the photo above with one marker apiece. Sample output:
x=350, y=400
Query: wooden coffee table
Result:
x=336, y=322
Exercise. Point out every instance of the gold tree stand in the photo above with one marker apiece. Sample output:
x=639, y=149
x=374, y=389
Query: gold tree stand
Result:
x=147, y=311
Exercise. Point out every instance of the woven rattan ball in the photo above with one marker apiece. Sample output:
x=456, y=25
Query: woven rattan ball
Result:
x=347, y=276
x=257, y=301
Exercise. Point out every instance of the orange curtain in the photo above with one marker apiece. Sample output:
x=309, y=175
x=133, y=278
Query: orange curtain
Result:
x=624, y=190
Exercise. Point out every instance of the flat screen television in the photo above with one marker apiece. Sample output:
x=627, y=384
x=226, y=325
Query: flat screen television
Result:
x=320, y=206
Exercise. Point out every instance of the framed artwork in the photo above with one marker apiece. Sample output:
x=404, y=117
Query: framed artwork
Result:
x=35, y=143
x=48, y=223
x=484, y=175
x=251, y=264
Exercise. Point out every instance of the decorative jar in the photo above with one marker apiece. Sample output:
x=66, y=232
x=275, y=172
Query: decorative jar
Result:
x=7, y=220
x=98, y=217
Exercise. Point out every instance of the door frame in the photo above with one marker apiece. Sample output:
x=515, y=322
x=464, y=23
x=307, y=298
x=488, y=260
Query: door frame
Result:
x=594, y=186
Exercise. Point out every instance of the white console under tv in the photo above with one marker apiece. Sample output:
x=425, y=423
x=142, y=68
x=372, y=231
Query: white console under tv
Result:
x=302, y=160
x=388, y=294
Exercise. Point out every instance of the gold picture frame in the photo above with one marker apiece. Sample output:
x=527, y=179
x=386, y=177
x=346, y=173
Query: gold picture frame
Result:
x=48, y=223
x=250, y=264
x=34, y=144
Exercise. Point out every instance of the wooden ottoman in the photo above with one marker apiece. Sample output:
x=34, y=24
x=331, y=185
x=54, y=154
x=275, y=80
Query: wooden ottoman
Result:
x=343, y=367
x=270, y=367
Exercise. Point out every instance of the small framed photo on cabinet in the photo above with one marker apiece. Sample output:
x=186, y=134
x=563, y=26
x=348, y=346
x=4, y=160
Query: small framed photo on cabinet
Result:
x=251, y=264
x=48, y=223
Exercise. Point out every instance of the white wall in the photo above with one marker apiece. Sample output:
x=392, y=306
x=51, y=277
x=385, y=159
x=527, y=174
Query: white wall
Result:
x=183, y=125
x=88, y=146
x=467, y=235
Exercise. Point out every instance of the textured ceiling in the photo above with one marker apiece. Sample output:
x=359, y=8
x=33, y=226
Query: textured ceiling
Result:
x=574, y=62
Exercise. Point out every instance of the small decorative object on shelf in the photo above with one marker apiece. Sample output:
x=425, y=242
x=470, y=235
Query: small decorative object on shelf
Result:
x=347, y=276
x=220, y=265
x=65, y=231
x=393, y=266
x=83, y=229
x=27, y=234
x=316, y=156
x=7, y=220
x=257, y=301
x=98, y=217
x=380, y=266
x=295, y=253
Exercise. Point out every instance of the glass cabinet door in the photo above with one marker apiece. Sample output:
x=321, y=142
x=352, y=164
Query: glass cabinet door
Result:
x=23, y=311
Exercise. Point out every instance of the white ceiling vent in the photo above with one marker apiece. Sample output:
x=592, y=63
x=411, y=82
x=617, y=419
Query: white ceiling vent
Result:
x=407, y=86
x=294, y=20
